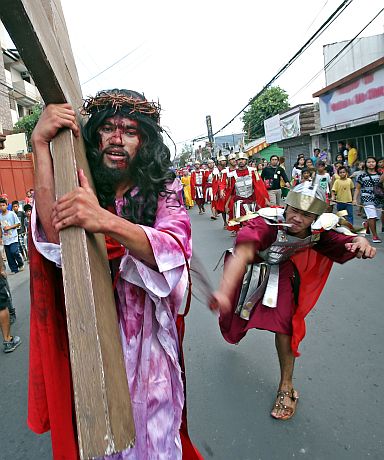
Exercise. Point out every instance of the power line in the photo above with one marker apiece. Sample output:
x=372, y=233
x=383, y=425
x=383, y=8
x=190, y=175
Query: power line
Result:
x=306, y=45
x=317, y=15
x=338, y=54
x=112, y=65
x=334, y=58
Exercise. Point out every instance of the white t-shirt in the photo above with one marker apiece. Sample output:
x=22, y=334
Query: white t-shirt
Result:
x=7, y=220
x=323, y=181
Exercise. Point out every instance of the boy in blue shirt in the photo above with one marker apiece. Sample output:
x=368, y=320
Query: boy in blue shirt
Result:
x=9, y=224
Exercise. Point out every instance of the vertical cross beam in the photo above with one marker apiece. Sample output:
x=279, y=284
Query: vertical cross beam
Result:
x=102, y=402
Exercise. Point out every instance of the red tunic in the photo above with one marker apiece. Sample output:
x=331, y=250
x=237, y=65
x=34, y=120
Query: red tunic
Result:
x=259, y=196
x=206, y=184
x=193, y=183
x=219, y=185
x=313, y=265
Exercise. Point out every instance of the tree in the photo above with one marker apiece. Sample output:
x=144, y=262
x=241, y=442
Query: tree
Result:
x=186, y=154
x=272, y=101
x=27, y=124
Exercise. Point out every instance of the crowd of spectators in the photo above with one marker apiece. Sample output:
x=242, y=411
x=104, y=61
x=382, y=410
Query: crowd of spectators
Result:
x=14, y=224
x=351, y=185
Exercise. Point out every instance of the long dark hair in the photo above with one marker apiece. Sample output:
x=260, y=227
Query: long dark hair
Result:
x=365, y=163
x=149, y=170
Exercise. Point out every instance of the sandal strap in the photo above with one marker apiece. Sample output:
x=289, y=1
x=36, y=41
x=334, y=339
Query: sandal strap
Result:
x=291, y=394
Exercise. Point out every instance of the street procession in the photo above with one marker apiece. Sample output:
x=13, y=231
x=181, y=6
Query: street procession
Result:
x=191, y=230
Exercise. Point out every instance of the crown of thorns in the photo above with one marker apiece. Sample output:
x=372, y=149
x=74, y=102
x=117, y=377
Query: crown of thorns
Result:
x=103, y=100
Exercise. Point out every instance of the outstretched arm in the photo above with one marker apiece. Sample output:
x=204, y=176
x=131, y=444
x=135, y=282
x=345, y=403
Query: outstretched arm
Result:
x=233, y=274
x=361, y=248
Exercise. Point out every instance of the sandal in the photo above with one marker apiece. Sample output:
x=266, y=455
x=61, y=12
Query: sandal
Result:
x=288, y=410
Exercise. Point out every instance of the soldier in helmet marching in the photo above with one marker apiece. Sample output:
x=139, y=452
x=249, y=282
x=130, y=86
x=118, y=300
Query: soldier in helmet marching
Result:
x=246, y=192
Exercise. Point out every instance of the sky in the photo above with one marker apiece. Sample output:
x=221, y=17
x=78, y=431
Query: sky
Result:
x=206, y=57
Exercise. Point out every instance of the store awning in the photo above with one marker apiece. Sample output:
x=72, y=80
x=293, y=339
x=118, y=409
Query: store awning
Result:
x=255, y=148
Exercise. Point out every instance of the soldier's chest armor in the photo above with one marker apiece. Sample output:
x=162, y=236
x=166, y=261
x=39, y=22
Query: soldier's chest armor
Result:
x=244, y=186
x=286, y=246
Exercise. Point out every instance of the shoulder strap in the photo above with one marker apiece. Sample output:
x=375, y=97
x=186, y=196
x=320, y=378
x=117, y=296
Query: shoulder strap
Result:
x=189, y=296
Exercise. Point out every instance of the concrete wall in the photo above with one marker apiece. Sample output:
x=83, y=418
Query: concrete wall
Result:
x=5, y=114
x=360, y=53
x=14, y=144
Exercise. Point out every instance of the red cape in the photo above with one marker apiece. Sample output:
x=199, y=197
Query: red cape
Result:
x=50, y=394
x=193, y=183
x=260, y=194
x=313, y=266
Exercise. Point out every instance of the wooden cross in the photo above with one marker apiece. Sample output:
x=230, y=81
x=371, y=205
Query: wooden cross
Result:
x=102, y=402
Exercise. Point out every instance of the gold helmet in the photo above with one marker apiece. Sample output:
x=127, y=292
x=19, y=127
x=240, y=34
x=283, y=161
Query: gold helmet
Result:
x=242, y=156
x=232, y=156
x=222, y=158
x=307, y=197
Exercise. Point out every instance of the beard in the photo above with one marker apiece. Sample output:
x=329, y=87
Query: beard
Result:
x=107, y=179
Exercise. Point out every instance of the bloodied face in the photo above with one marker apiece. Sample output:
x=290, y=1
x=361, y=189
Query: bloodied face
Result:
x=119, y=141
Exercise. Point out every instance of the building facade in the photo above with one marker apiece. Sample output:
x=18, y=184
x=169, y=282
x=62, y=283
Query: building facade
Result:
x=352, y=103
x=18, y=93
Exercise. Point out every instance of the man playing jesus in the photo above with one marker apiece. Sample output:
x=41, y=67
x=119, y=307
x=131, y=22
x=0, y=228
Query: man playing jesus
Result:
x=139, y=209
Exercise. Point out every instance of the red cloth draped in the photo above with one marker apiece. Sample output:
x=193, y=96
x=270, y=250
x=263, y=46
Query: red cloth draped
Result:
x=314, y=269
x=50, y=394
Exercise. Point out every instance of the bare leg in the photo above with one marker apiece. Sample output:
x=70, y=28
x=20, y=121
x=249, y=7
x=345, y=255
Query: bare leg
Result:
x=372, y=227
x=213, y=213
x=224, y=216
x=5, y=324
x=284, y=405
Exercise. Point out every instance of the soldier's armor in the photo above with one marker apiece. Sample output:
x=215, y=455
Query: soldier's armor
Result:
x=199, y=178
x=243, y=185
x=210, y=178
x=261, y=281
x=285, y=246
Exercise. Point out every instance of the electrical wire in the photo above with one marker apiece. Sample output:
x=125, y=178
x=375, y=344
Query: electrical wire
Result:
x=339, y=10
x=332, y=61
x=338, y=54
x=112, y=65
x=317, y=15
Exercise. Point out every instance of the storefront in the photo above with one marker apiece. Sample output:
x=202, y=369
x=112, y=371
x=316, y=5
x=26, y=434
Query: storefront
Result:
x=352, y=109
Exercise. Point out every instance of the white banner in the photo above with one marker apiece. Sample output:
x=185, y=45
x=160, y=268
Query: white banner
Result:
x=290, y=126
x=272, y=129
x=361, y=98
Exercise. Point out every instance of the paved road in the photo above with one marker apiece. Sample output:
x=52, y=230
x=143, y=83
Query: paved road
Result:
x=231, y=388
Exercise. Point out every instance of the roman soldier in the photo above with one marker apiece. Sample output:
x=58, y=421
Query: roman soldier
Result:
x=218, y=188
x=279, y=266
x=197, y=182
x=246, y=192
x=208, y=180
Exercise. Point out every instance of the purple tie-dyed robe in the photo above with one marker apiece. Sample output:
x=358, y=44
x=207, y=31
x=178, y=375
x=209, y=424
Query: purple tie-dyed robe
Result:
x=148, y=303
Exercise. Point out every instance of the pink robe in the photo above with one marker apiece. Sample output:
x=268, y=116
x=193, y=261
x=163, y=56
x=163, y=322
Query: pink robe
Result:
x=148, y=303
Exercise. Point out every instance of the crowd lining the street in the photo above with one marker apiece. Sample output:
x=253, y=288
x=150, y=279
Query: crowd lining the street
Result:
x=350, y=185
x=14, y=224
